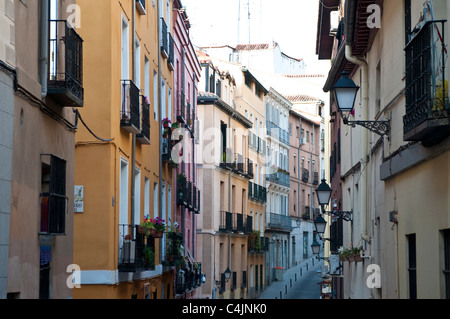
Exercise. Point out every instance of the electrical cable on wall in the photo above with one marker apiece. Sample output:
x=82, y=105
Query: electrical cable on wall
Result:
x=78, y=116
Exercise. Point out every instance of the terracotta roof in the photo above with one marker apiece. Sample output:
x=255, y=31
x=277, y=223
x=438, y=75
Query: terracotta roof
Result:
x=248, y=47
x=301, y=98
x=304, y=75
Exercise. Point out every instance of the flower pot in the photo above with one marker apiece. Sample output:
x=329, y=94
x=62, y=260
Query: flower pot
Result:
x=166, y=125
x=158, y=234
x=152, y=232
x=358, y=258
x=141, y=230
x=351, y=258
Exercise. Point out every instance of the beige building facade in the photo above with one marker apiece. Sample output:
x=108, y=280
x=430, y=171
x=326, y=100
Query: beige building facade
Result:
x=43, y=157
x=396, y=182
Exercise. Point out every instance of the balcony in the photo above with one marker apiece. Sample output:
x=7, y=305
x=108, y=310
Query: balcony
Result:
x=238, y=165
x=306, y=213
x=164, y=45
x=227, y=161
x=235, y=223
x=316, y=178
x=305, y=175
x=144, y=136
x=427, y=117
x=181, y=109
x=249, y=169
x=277, y=132
x=257, y=192
x=171, y=59
x=65, y=78
x=130, y=110
x=174, y=243
x=280, y=178
x=136, y=251
x=188, y=279
x=279, y=222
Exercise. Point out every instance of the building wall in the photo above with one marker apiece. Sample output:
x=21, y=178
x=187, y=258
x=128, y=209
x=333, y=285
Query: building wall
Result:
x=41, y=127
x=99, y=161
x=7, y=58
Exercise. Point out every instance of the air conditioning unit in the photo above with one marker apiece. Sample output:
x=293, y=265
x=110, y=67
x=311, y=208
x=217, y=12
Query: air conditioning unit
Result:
x=334, y=22
x=303, y=141
x=129, y=251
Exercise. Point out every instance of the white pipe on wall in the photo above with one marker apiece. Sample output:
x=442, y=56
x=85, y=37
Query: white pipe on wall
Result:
x=365, y=104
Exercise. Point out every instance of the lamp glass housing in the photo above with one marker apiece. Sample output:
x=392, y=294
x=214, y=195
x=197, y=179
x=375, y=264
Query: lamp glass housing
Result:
x=323, y=193
x=345, y=91
x=320, y=223
x=315, y=246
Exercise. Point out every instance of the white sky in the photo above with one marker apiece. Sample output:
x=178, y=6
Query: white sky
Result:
x=291, y=23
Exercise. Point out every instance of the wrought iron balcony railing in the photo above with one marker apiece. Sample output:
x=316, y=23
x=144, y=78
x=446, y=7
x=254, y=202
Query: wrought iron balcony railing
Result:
x=257, y=192
x=164, y=39
x=136, y=251
x=279, y=178
x=130, y=110
x=144, y=136
x=235, y=223
x=181, y=108
x=427, y=117
x=279, y=222
x=171, y=48
x=65, y=76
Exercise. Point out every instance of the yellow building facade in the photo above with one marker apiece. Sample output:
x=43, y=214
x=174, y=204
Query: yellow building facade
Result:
x=119, y=173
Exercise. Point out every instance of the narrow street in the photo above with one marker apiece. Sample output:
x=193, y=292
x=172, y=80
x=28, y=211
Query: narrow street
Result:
x=300, y=282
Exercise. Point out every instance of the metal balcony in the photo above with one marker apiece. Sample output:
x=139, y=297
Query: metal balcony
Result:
x=134, y=250
x=65, y=76
x=427, y=117
x=144, y=136
x=130, y=108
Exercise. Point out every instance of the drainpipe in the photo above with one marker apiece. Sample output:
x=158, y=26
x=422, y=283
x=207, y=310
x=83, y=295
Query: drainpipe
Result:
x=133, y=136
x=45, y=9
x=158, y=9
x=365, y=103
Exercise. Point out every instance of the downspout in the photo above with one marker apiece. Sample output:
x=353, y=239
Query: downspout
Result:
x=133, y=136
x=45, y=9
x=159, y=118
x=365, y=103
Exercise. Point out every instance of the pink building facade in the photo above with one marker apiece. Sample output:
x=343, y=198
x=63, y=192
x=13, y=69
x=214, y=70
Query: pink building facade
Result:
x=186, y=201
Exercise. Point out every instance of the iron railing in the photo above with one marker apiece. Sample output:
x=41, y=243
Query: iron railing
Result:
x=65, y=73
x=130, y=110
x=164, y=40
x=280, y=222
x=427, y=104
x=136, y=251
x=144, y=136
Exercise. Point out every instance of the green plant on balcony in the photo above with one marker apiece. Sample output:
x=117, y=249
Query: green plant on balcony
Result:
x=149, y=258
x=254, y=241
x=350, y=254
x=153, y=227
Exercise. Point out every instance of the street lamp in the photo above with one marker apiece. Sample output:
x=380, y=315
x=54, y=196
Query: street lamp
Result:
x=315, y=246
x=323, y=195
x=344, y=92
x=227, y=274
x=320, y=223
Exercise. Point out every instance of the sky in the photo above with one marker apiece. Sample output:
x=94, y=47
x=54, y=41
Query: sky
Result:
x=290, y=23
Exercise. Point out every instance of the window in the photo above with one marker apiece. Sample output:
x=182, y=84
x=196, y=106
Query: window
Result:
x=155, y=95
x=53, y=195
x=137, y=66
x=125, y=50
x=137, y=196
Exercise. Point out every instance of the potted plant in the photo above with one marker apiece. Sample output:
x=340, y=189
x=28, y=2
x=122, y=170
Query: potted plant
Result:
x=153, y=227
x=166, y=122
x=149, y=258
